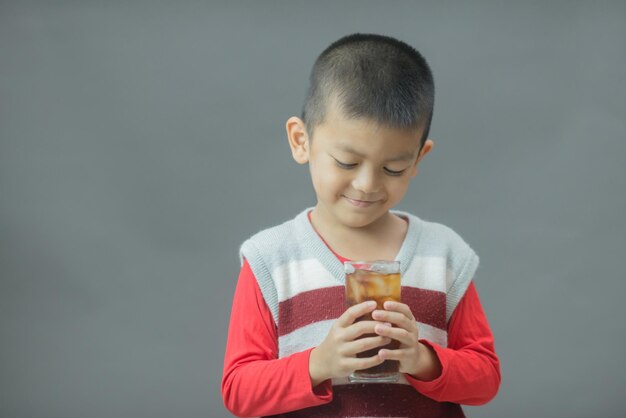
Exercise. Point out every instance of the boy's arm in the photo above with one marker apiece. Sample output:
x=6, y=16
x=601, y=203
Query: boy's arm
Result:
x=255, y=382
x=470, y=367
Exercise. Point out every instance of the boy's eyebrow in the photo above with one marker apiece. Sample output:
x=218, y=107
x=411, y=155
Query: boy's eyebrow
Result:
x=407, y=156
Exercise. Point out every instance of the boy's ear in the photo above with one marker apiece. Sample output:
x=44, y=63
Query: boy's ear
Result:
x=298, y=139
x=426, y=148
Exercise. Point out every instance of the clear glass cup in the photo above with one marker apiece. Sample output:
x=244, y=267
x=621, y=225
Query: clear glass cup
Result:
x=378, y=281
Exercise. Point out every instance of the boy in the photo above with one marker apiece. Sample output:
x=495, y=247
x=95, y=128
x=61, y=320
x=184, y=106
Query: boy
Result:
x=291, y=342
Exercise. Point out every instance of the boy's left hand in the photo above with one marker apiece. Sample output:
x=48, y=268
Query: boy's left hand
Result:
x=415, y=358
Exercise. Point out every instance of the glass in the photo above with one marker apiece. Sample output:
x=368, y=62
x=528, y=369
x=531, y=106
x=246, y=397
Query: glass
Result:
x=378, y=281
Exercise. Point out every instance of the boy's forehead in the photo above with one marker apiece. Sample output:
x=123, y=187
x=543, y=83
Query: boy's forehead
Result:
x=345, y=130
x=367, y=139
x=337, y=118
x=406, y=154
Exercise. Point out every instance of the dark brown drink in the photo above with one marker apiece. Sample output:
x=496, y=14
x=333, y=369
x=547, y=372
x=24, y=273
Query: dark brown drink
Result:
x=378, y=281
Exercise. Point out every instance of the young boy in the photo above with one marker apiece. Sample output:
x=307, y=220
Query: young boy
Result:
x=292, y=343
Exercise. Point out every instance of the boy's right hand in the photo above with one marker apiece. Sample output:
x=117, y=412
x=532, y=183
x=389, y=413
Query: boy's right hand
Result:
x=336, y=355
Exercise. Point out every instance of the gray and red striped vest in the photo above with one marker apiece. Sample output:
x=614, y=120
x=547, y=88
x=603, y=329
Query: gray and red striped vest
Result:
x=302, y=282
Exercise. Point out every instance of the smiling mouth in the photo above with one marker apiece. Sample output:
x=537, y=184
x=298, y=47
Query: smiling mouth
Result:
x=360, y=203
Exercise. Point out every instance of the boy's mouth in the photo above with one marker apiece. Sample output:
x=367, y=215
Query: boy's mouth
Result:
x=360, y=203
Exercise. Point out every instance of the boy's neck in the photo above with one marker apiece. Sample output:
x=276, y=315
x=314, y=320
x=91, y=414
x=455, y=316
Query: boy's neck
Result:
x=378, y=241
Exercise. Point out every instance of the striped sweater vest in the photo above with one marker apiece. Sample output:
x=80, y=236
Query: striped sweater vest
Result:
x=302, y=282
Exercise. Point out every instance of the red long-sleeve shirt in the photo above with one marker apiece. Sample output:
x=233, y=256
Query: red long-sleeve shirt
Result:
x=470, y=367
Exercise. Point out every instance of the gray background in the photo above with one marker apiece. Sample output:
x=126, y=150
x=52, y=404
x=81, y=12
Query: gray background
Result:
x=141, y=142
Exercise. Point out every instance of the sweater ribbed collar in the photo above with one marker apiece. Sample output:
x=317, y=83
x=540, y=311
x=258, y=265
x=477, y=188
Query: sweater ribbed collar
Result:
x=325, y=256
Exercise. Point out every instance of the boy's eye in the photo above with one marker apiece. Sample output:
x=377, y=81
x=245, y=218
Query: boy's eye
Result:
x=393, y=172
x=345, y=165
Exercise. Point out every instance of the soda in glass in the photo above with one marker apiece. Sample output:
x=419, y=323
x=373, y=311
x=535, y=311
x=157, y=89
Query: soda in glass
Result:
x=378, y=281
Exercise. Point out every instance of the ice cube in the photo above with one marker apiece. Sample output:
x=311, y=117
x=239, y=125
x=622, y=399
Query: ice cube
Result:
x=387, y=267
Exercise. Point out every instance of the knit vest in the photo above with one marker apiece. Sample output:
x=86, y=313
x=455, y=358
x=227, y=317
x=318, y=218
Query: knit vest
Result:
x=302, y=282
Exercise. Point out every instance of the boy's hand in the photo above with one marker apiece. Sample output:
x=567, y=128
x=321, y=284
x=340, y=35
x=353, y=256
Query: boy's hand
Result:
x=336, y=355
x=415, y=358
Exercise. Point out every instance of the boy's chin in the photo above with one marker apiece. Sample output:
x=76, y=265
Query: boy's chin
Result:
x=360, y=220
x=352, y=218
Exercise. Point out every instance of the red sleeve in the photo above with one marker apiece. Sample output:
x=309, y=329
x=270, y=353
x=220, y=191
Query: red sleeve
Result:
x=470, y=367
x=255, y=381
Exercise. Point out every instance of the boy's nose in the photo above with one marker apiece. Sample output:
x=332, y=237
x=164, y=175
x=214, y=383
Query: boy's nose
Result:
x=366, y=181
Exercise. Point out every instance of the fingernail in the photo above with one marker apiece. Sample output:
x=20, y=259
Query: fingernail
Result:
x=379, y=327
x=371, y=303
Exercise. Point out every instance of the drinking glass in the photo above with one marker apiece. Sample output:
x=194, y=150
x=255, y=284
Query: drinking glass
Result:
x=378, y=281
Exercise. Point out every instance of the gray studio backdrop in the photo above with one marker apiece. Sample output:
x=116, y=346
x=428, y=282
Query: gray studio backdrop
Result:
x=141, y=142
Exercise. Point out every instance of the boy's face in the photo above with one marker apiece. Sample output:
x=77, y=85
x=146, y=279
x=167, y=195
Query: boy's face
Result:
x=360, y=170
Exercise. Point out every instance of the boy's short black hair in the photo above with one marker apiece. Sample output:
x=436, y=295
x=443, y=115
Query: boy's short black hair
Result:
x=375, y=77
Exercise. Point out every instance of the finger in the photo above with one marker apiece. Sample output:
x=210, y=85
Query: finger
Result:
x=399, y=334
x=363, y=363
x=352, y=313
x=403, y=308
x=363, y=344
x=396, y=318
x=358, y=329
x=399, y=354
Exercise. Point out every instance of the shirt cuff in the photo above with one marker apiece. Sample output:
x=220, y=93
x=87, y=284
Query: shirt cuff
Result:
x=323, y=392
x=427, y=387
